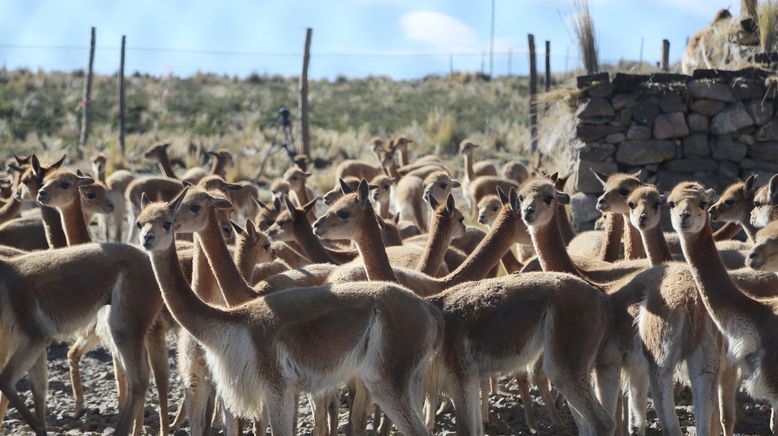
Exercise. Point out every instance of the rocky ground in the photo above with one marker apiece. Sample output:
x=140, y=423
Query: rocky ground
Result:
x=505, y=407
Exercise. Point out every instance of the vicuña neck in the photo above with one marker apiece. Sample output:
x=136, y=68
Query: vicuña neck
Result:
x=371, y=249
x=198, y=318
x=10, y=210
x=234, y=289
x=656, y=245
x=404, y=156
x=612, y=234
x=217, y=167
x=76, y=231
x=204, y=283
x=469, y=167
x=750, y=230
x=312, y=247
x=246, y=260
x=488, y=252
x=52, y=225
x=551, y=250
x=437, y=243
x=565, y=229
x=722, y=298
x=729, y=230
x=633, y=244
x=166, y=166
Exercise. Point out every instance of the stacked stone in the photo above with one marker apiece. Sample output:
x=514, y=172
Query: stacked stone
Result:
x=714, y=127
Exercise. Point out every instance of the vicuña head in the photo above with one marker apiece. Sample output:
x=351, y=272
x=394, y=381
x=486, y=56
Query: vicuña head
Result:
x=96, y=199
x=616, y=189
x=488, y=208
x=32, y=178
x=764, y=254
x=467, y=147
x=252, y=243
x=645, y=207
x=346, y=214
x=156, y=151
x=267, y=213
x=736, y=202
x=688, y=204
x=439, y=185
x=61, y=188
x=539, y=199
x=449, y=217
x=765, y=204
x=156, y=223
x=283, y=227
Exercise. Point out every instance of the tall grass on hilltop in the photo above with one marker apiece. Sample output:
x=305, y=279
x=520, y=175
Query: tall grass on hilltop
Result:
x=767, y=20
x=583, y=25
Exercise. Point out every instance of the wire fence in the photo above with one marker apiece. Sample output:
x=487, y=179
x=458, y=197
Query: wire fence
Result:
x=188, y=61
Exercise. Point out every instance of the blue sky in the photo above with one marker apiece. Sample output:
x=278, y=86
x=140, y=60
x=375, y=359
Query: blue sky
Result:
x=398, y=38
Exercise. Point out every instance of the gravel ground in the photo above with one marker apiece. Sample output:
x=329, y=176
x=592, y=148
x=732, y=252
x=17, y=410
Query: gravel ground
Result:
x=505, y=407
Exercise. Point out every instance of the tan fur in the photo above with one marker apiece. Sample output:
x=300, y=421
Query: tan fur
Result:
x=487, y=185
x=488, y=208
x=735, y=205
x=272, y=332
x=765, y=204
x=515, y=171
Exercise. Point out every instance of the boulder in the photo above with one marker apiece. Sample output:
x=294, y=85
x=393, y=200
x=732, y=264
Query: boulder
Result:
x=593, y=132
x=768, y=132
x=621, y=101
x=697, y=122
x=585, y=180
x=645, y=112
x=615, y=138
x=707, y=107
x=710, y=90
x=761, y=111
x=729, y=169
x=691, y=165
x=696, y=144
x=636, y=152
x=636, y=131
x=602, y=89
x=666, y=180
x=595, y=151
x=670, y=125
x=744, y=89
x=672, y=103
x=729, y=150
x=596, y=108
x=757, y=165
x=584, y=207
x=764, y=151
x=624, y=117
x=733, y=118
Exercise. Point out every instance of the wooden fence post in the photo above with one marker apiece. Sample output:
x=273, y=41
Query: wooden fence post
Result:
x=306, y=135
x=548, y=66
x=122, y=105
x=665, y=55
x=86, y=99
x=533, y=90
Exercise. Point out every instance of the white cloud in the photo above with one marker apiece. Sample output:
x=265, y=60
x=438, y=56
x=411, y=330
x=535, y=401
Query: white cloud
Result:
x=442, y=32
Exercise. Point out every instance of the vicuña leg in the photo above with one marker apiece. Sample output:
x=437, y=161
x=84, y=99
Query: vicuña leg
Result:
x=23, y=358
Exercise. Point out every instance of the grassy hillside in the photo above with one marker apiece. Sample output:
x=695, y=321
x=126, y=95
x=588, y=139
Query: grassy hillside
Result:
x=41, y=112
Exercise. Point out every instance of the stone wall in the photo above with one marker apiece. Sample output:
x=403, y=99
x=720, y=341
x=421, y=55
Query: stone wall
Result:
x=714, y=127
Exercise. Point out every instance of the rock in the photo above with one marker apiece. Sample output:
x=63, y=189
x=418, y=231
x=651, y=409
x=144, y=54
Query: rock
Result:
x=624, y=117
x=666, y=180
x=747, y=89
x=615, y=138
x=593, y=132
x=729, y=150
x=672, y=103
x=768, y=132
x=584, y=207
x=697, y=122
x=636, y=131
x=747, y=139
x=750, y=164
x=671, y=125
x=596, y=151
x=696, y=144
x=621, y=101
x=691, y=165
x=596, y=108
x=729, y=169
x=645, y=112
x=604, y=90
x=635, y=153
x=585, y=180
x=707, y=107
x=764, y=150
x=731, y=119
x=762, y=112
x=710, y=90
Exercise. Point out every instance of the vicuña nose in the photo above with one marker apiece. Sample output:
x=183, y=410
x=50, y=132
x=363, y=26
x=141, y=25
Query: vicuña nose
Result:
x=642, y=218
x=685, y=215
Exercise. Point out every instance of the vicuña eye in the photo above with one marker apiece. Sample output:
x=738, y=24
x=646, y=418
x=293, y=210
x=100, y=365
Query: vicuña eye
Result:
x=64, y=185
x=548, y=200
x=91, y=196
x=704, y=205
x=671, y=204
x=343, y=215
x=195, y=208
x=623, y=192
x=167, y=225
x=631, y=205
x=729, y=202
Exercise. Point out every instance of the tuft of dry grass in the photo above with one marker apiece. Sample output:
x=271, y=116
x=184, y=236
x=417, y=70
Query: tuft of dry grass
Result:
x=583, y=26
x=767, y=20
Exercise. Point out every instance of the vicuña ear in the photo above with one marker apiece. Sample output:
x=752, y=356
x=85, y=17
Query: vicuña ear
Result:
x=750, y=185
x=455, y=183
x=363, y=193
x=514, y=199
x=307, y=174
x=308, y=206
x=251, y=228
x=450, y=206
x=636, y=174
x=554, y=177
x=221, y=203
x=237, y=228
x=562, y=198
x=502, y=196
x=144, y=200
x=259, y=203
x=396, y=218
x=36, y=166
x=290, y=207
x=13, y=167
x=85, y=180
x=21, y=160
x=187, y=183
x=344, y=187
x=710, y=194
x=433, y=202
x=58, y=163
x=175, y=203
x=600, y=176
x=662, y=199
x=233, y=186
x=772, y=188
